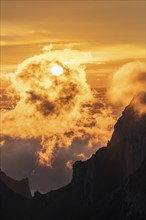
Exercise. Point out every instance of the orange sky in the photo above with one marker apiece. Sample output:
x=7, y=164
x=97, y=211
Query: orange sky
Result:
x=113, y=30
x=114, y=34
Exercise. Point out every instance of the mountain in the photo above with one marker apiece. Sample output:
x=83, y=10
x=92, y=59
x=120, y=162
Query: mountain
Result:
x=13, y=205
x=20, y=187
x=111, y=185
x=14, y=197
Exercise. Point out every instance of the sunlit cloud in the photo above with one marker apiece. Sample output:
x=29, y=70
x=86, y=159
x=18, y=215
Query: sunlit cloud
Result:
x=56, y=109
x=69, y=164
x=2, y=142
x=127, y=83
x=82, y=156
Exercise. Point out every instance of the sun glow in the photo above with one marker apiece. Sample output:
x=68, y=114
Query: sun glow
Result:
x=57, y=70
x=57, y=109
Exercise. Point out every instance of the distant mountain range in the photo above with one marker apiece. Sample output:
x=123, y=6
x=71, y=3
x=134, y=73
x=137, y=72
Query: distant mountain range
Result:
x=111, y=185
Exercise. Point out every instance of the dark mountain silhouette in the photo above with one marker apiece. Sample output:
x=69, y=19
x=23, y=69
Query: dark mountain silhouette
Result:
x=21, y=187
x=111, y=185
x=12, y=205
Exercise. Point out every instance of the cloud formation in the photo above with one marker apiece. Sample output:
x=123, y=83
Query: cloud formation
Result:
x=56, y=109
x=127, y=82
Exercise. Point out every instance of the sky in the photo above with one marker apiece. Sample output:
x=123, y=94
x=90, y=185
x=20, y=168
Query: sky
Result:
x=113, y=30
x=96, y=39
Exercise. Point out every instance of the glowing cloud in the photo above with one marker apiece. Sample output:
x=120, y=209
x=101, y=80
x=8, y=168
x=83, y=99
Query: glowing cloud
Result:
x=69, y=164
x=128, y=81
x=56, y=109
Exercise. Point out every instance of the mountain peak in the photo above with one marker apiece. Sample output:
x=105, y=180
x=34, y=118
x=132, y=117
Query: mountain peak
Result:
x=138, y=103
x=20, y=187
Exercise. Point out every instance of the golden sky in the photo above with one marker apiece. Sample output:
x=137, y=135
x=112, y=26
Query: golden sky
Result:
x=57, y=120
x=113, y=30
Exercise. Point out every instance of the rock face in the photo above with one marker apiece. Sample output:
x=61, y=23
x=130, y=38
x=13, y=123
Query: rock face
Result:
x=111, y=185
x=20, y=187
x=112, y=165
x=129, y=139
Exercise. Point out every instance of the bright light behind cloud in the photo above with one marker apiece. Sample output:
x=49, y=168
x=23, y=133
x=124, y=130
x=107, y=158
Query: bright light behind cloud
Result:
x=57, y=70
x=56, y=110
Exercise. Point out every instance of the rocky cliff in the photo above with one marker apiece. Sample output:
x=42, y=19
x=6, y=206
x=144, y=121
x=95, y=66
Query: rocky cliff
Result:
x=124, y=154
